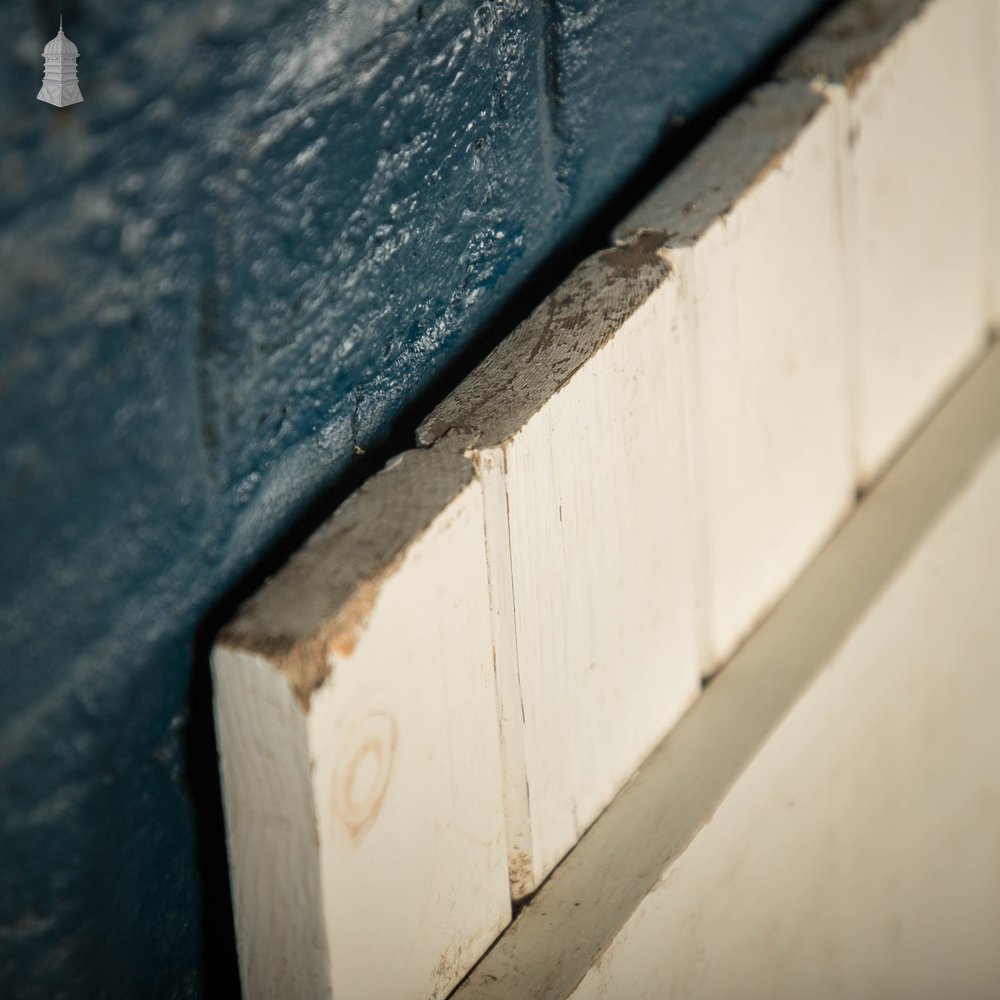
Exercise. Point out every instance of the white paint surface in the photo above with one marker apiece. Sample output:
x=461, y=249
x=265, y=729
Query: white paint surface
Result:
x=909, y=83
x=415, y=898
x=270, y=823
x=366, y=829
x=589, y=529
x=859, y=854
x=826, y=820
x=753, y=226
x=598, y=520
x=451, y=681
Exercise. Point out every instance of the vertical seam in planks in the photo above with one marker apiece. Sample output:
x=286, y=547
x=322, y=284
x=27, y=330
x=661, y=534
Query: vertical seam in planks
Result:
x=837, y=108
x=694, y=437
x=510, y=704
x=517, y=654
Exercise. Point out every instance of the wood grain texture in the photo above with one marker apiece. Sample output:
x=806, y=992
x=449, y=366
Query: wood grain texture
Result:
x=271, y=830
x=360, y=749
x=909, y=84
x=751, y=223
x=577, y=426
x=841, y=626
x=858, y=854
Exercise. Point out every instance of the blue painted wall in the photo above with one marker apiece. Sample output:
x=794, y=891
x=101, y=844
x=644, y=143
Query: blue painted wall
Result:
x=249, y=257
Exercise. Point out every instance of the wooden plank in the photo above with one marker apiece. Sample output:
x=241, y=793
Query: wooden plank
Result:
x=859, y=853
x=909, y=86
x=577, y=427
x=751, y=223
x=732, y=747
x=360, y=751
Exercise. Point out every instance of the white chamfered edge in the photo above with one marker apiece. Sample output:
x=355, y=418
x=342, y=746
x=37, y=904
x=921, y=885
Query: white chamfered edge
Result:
x=577, y=425
x=823, y=822
x=360, y=752
x=911, y=85
x=751, y=222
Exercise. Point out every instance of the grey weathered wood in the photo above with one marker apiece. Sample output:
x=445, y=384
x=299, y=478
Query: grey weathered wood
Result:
x=320, y=598
x=544, y=352
x=847, y=43
x=741, y=151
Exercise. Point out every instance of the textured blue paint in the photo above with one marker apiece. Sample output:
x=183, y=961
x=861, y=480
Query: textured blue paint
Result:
x=265, y=232
x=627, y=73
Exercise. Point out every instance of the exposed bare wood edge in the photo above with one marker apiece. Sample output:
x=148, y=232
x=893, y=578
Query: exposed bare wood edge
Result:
x=744, y=148
x=574, y=916
x=850, y=41
x=321, y=598
x=545, y=351
x=264, y=764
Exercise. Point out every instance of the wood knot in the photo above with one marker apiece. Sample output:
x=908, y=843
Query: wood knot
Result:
x=361, y=777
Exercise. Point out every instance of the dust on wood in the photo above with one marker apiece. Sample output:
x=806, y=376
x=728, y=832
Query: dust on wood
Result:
x=316, y=608
x=549, y=347
x=744, y=149
x=522, y=874
x=851, y=41
x=450, y=968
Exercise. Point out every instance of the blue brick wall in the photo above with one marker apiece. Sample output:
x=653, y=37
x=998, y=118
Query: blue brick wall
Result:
x=228, y=280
